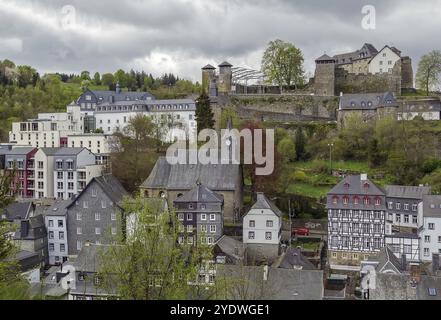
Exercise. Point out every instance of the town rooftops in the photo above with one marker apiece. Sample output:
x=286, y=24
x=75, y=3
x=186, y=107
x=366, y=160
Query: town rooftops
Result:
x=20, y=151
x=58, y=208
x=216, y=177
x=231, y=247
x=151, y=105
x=368, y=51
x=106, y=95
x=50, y=151
x=432, y=206
x=408, y=192
x=263, y=202
x=200, y=193
x=294, y=259
x=367, y=101
x=90, y=257
x=387, y=261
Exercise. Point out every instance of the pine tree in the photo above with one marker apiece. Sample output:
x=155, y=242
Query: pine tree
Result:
x=204, y=114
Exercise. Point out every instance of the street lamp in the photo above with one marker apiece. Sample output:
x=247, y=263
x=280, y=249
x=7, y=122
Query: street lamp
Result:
x=330, y=145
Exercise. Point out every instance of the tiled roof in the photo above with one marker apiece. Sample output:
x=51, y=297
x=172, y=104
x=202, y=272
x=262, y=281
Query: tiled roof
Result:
x=263, y=202
x=200, y=193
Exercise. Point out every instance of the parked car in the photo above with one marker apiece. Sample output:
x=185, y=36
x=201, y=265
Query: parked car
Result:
x=300, y=232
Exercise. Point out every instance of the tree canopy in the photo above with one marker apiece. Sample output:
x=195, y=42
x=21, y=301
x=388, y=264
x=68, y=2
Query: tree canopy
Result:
x=428, y=75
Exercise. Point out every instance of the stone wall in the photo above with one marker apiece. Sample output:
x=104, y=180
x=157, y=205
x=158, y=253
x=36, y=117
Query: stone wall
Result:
x=406, y=73
x=367, y=83
x=324, y=79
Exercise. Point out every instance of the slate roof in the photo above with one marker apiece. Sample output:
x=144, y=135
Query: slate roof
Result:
x=387, y=261
x=367, y=101
x=18, y=210
x=68, y=151
x=225, y=64
x=407, y=192
x=59, y=208
x=229, y=245
x=200, y=193
x=325, y=57
x=263, y=202
x=89, y=258
x=50, y=151
x=36, y=229
x=208, y=67
x=218, y=177
x=432, y=206
x=368, y=49
x=121, y=96
x=294, y=259
x=282, y=284
x=20, y=151
x=190, y=102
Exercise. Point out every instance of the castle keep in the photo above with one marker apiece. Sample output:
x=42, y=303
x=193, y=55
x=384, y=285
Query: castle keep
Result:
x=365, y=70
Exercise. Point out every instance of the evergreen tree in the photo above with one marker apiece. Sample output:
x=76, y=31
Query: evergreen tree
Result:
x=97, y=78
x=204, y=114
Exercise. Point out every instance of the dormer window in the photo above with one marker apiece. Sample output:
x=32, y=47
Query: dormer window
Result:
x=367, y=201
x=335, y=200
x=352, y=104
x=363, y=104
x=366, y=185
x=347, y=185
x=377, y=201
x=356, y=200
x=345, y=200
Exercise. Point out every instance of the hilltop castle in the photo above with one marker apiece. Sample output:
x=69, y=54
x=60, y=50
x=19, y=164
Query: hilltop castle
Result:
x=217, y=84
x=363, y=71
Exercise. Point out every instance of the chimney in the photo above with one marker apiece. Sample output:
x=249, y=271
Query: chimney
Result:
x=341, y=93
x=118, y=88
x=363, y=177
x=265, y=273
x=435, y=262
x=404, y=261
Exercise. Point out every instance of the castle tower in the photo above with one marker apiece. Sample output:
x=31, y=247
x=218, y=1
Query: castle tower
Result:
x=324, y=79
x=225, y=78
x=208, y=77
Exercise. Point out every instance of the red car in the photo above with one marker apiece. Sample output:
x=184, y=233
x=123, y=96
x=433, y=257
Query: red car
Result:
x=300, y=231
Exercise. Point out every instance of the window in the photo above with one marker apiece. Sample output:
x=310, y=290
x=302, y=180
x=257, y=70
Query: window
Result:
x=97, y=216
x=79, y=216
x=62, y=247
x=204, y=228
x=431, y=226
x=70, y=185
x=406, y=206
x=439, y=239
x=268, y=235
x=113, y=231
x=97, y=280
x=355, y=242
x=189, y=216
x=377, y=201
x=345, y=200
x=345, y=227
x=203, y=206
x=60, y=223
x=398, y=218
x=355, y=228
x=406, y=218
x=212, y=217
x=113, y=216
x=213, y=228
x=61, y=235
x=427, y=239
x=79, y=230
x=377, y=243
x=59, y=175
x=390, y=205
x=414, y=219
x=269, y=223
x=366, y=201
x=103, y=204
x=79, y=244
x=345, y=242
x=180, y=216
x=85, y=204
x=97, y=231
x=189, y=228
x=203, y=217
x=414, y=207
x=40, y=175
x=407, y=249
x=51, y=234
x=398, y=206
x=356, y=201
x=426, y=252
x=366, y=228
x=335, y=200
x=251, y=235
x=432, y=292
x=51, y=247
x=190, y=206
x=51, y=223
x=60, y=185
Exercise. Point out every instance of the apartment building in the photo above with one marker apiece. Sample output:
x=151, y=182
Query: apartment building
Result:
x=20, y=160
x=44, y=160
x=55, y=217
x=429, y=217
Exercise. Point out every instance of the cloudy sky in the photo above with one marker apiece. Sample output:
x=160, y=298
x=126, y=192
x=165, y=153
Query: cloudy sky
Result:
x=181, y=36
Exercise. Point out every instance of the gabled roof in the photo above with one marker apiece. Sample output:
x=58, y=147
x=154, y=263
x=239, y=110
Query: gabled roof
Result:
x=409, y=192
x=50, y=151
x=200, y=193
x=263, y=202
x=432, y=206
x=387, y=261
x=18, y=210
x=367, y=101
x=68, y=151
x=121, y=96
x=353, y=185
x=368, y=51
x=231, y=247
x=90, y=258
x=294, y=259
x=58, y=208
x=112, y=187
x=20, y=151
x=217, y=177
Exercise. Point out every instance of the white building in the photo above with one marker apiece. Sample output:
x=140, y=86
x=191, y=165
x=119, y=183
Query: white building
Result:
x=49, y=129
x=56, y=225
x=384, y=60
x=74, y=168
x=262, y=229
x=98, y=143
x=44, y=172
x=430, y=227
x=173, y=114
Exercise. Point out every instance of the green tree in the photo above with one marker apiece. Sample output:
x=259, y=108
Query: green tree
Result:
x=26, y=76
x=204, y=114
x=121, y=78
x=108, y=80
x=97, y=78
x=282, y=63
x=152, y=265
x=85, y=75
x=374, y=155
x=300, y=144
x=287, y=149
x=429, y=71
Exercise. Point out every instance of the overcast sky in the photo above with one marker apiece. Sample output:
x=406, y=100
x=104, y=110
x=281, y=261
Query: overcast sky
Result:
x=181, y=36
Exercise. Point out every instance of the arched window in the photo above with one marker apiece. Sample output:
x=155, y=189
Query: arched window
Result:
x=345, y=200
x=377, y=201
x=366, y=201
x=335, y=200
x=356, y=200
